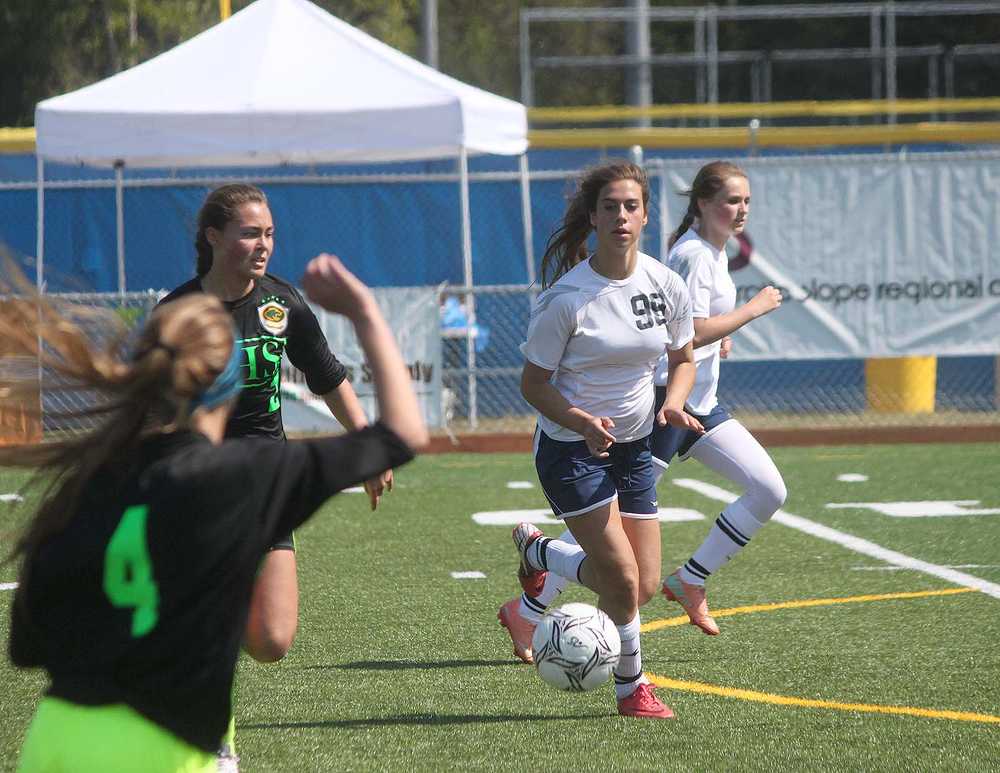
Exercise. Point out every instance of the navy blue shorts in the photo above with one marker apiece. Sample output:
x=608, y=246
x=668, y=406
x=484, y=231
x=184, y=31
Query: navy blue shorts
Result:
x=575, y=482
x=667, y=442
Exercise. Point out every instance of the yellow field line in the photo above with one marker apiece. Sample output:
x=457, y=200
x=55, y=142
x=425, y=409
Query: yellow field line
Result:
x=783, y=700
x=655, y=625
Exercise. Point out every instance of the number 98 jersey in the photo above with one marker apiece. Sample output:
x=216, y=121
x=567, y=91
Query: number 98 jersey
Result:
x=602, y=339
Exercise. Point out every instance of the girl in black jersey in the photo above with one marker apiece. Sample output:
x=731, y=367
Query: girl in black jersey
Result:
x=139, y=565
x=234, y=243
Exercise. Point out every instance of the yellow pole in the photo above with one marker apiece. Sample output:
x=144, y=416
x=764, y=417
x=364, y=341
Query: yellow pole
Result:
x=225, y=9
x=901, y=384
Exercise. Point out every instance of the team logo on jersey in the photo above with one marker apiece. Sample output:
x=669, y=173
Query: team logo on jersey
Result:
x=273, y=315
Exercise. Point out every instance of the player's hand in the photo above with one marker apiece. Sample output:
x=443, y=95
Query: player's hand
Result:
x=596, y=434
x=328, y=283
x=766, y=301
x=725, y=347
x=676, y=418
x=377, y=486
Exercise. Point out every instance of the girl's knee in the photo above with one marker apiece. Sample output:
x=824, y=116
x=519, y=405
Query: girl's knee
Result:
x=775, y=493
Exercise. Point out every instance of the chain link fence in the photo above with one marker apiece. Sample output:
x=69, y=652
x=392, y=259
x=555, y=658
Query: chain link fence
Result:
x=108, y=321
x=773, y=394
x=404, y=230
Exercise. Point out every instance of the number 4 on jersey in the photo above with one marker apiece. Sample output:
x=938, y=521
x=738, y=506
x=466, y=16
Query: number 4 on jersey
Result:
x=128, y=572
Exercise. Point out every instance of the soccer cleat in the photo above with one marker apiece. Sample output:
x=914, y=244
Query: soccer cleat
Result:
x=531, y=579
x=520, y=630
x=692, y=598
x=644, y=703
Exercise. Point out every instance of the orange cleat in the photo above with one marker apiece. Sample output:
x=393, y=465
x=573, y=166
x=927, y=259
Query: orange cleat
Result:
x=692, y=598
x=644, y=703
x=520, y=630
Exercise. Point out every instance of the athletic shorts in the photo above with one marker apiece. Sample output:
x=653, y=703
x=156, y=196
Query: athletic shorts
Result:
x=285, y=543
x=667, y=442
x=575, y=482
x=101, y=739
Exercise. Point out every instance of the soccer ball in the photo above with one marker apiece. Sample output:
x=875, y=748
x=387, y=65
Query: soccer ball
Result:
x=576, y=647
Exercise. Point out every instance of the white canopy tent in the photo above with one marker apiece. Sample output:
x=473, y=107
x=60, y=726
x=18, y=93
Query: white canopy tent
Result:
x=280, y=82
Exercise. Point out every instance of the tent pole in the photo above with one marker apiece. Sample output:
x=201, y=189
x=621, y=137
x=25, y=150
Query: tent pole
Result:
x=470, y=298
x=120, y=223
x=40, y=233
x=529, y=239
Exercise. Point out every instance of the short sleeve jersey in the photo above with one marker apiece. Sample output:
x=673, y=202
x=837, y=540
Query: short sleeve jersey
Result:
x=271, y=321
x=143, y=598
x=706, y=271
x=602, y=339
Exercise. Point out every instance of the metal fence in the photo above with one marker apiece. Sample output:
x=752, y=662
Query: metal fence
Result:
x=769, y=394
x=109, y=321
x=716, y=74
x=481, y=359
x=482, y=393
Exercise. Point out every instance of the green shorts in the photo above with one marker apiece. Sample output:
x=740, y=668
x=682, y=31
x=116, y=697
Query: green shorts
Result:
x=67, y=737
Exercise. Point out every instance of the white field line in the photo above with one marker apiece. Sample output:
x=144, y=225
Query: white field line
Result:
x=8, y=585
x=468, y=575
x=851, y=542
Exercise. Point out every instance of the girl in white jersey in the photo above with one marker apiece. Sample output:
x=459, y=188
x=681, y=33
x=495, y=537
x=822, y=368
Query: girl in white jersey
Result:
x=596, y=333
x=719, y=202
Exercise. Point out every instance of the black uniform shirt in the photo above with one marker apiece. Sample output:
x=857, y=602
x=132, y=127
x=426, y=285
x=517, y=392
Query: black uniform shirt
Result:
x=143, y=598
x=270, y=320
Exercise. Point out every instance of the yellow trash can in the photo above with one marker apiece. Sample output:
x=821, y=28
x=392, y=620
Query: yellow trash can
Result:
x=901, y=384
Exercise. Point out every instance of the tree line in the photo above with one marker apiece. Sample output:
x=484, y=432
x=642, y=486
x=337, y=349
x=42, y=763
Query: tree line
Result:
x=49, y=47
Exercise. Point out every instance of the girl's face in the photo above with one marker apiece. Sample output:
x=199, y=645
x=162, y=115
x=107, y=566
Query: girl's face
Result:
x=243, y=248
x=726, y=212
x=620, y=215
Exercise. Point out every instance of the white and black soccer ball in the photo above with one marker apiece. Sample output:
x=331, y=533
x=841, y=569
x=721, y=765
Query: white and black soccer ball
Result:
x=576, y=647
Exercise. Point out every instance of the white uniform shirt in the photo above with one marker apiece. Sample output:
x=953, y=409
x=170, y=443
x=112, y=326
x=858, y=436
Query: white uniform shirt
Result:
x=706, y=271
x=602, y=339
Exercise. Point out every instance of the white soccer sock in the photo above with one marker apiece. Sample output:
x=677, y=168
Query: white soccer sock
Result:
x=729, y=535
x=628, y=672
x=553, y=555
x=532, y=608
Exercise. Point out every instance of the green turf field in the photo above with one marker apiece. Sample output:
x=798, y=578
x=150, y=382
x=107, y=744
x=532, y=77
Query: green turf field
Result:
x=400, y=666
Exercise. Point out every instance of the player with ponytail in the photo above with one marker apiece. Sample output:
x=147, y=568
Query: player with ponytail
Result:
x=596, y=332
x=137, y=568
x=718, y=208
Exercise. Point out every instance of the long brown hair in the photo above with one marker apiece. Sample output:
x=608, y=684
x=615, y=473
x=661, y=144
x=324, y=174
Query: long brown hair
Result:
x=181, y=350
x=568, y=244
x=709, y=181
x=219, y=209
